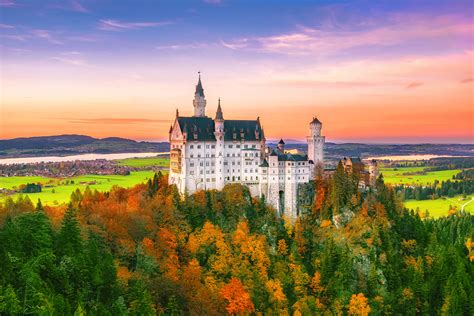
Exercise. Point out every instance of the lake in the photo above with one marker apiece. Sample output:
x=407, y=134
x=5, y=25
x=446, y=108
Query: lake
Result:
x=410, y=157
x=23, y=160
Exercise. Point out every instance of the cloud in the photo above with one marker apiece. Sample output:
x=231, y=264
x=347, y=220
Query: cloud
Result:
x=72, y=5
x=46, y=35
x=7, y=3
x=114, y=25
x=182, y=46
x=116, y=121
x=21, y=38
x=467, y=80
x=70, y=61
x=6, y=26
x=398, y=30
x=413, y=85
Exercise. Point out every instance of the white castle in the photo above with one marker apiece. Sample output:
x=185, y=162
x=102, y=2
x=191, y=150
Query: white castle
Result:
x=208, y=153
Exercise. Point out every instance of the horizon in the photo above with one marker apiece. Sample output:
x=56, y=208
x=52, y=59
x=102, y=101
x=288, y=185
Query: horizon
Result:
x=268, y=140
x=373, y=73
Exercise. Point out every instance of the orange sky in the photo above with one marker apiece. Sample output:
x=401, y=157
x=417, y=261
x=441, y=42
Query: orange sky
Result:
x=396, y=76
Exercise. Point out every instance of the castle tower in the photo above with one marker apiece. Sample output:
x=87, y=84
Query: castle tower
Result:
x=281, y=145
x=219, y=134
x=316, y=142
x=373, y=172
x=199, y=101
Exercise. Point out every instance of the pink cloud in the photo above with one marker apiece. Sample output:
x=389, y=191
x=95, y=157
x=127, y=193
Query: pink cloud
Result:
x=73, y=5
x=7, y=3
x=46, y=35
x=413, y=85
x=6, y=26
x=114, y=25
x=70, y=61
x=322, y=41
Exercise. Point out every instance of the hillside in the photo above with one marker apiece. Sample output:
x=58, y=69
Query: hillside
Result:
x=63, y=145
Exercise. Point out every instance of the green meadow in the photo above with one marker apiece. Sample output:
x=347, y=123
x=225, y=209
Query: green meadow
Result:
x=407, y=175
x=145, y=162
x=440, y=207
x=58, y=191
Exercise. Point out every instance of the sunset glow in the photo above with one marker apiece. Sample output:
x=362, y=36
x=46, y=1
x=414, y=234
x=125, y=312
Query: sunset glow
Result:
x=390, y=72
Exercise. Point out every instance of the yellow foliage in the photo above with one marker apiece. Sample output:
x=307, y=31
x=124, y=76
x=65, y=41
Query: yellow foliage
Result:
x=409, y=245
x=282, y=247
x=276, y=291
x=407, y=294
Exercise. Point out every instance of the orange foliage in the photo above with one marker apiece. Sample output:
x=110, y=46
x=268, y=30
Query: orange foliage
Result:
x=359, y=305
x=325, y=223
x=316, y=283
x=123, y=274
x=237, y=298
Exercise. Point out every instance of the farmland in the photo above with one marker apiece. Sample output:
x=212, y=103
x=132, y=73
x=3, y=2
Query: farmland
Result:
x=144, y=162
x=416, y=175
x=58, y=191
x=441, y=206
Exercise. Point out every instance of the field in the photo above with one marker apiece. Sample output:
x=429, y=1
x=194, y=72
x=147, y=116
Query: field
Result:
x=406, y=175
x=59, y=190
x=441, y=206
x=144, y=162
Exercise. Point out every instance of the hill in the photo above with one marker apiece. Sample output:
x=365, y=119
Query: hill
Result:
x=63, y=145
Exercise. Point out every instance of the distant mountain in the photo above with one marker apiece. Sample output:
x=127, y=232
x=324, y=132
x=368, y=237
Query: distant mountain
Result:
x=64, y=145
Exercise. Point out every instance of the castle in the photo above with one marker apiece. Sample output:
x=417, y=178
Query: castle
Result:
x=207, y=153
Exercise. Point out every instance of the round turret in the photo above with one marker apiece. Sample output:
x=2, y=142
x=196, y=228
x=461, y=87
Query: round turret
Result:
x=315, y=127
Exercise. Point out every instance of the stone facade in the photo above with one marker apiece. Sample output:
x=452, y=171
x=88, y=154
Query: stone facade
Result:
x=209, y=153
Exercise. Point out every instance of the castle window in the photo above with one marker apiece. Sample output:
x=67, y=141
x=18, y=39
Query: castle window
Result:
x=237, y=146
x=225, y=163
x=199, y=155
x=207, y=146
x=201, y=164
x=191, y=155
x=230, y=146
x=213, y=146
x=228, y=155
x=253, y=146
x=199, y=146
x=192, y=164
x=191, y=146
x=246, y=146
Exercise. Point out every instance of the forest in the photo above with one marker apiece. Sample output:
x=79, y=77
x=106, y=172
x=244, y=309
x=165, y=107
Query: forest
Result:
x=147, y=251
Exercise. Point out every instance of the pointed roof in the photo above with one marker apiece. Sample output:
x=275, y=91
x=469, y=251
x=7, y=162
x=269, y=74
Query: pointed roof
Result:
x=264, y=164
x=219, y=115
x=199, y=89
x=315, y=121
x=281, y=142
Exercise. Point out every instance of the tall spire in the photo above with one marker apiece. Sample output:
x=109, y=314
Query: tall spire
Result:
x=199, y=89
x=219, y=115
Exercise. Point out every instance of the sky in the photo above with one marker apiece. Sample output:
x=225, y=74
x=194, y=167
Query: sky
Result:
x=371, y=71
